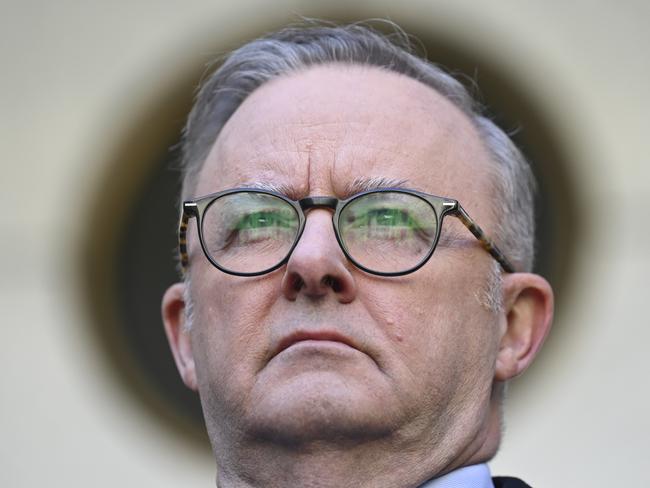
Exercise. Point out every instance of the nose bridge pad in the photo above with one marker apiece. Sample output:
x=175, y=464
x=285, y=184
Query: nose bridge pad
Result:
x=315, y=203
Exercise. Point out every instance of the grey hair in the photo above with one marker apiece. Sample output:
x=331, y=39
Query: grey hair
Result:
x=296, y=48
x=189, y=303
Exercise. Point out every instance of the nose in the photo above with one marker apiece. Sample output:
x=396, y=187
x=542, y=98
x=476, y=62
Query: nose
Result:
x=317, y=265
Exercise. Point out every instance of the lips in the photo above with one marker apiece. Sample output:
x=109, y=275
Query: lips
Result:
x=300, y=336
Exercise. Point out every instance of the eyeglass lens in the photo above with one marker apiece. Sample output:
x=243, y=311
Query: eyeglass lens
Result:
x=249, y=232
x=386, y=232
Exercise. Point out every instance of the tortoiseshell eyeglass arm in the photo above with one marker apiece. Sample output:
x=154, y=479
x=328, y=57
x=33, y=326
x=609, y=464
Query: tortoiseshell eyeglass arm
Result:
x=488, y=245
x=189, y=210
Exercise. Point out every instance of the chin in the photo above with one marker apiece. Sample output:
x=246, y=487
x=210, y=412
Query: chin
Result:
x=319, y=408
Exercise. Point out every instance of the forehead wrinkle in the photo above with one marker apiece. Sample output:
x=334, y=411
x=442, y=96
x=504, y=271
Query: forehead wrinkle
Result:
x=260, y=155
x=350, y=142
x=380, y=164
x=281, y=152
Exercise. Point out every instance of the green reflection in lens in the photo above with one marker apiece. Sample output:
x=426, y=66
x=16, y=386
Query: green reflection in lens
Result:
x=388, y=231
x=249, y=232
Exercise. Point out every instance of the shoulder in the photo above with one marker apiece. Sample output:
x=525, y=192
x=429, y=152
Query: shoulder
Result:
x=508, y=482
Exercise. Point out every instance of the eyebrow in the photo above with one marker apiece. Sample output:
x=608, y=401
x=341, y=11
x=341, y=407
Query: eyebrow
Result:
x=358, y=185
x=363, y=183
x=281, y=188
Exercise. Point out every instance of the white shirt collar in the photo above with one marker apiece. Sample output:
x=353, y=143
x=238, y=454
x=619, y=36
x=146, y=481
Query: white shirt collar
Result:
x=476, y=476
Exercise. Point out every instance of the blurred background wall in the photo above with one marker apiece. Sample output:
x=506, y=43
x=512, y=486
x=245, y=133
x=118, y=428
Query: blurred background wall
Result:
x=92, y=97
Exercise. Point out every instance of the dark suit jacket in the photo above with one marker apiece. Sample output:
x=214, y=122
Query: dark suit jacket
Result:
x=508, y=482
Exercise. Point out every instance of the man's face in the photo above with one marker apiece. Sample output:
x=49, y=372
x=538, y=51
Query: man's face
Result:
x=368, y=357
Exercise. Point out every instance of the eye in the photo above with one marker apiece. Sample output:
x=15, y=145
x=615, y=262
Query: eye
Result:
x=261, y=226
x=382, y=217
x=249, y=231
x=262, y=219
x=390, y=217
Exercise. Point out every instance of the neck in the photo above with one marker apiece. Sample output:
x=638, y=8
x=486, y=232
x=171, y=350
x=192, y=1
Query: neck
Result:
x=323, y=465
x=386, y=462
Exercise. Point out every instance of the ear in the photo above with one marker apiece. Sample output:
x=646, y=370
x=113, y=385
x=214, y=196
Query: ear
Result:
x=173, y=314
x=528, y=309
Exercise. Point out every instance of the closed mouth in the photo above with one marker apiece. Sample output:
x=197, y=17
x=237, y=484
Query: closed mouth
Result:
x=301, y=336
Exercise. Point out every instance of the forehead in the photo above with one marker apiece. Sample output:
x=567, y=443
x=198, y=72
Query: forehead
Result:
x=318, y=130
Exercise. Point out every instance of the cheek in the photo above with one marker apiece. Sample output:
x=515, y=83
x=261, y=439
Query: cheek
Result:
x=412, y=313
x=229, y=333
x=436, y=330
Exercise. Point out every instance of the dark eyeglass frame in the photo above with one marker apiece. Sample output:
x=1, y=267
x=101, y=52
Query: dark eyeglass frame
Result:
x=441, y=206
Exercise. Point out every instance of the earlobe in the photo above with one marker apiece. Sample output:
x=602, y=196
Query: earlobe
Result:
x=528, y=309
x=173, y=314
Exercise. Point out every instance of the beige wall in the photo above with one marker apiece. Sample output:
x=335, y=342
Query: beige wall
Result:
x=75, y=74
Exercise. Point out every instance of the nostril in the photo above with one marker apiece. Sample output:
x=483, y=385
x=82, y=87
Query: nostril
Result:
x=331, y=282
x=297, y=282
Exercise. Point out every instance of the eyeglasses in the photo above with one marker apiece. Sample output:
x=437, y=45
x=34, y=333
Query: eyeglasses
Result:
x=386, y=232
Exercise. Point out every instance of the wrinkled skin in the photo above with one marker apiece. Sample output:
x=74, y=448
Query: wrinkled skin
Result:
x=402, y=385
